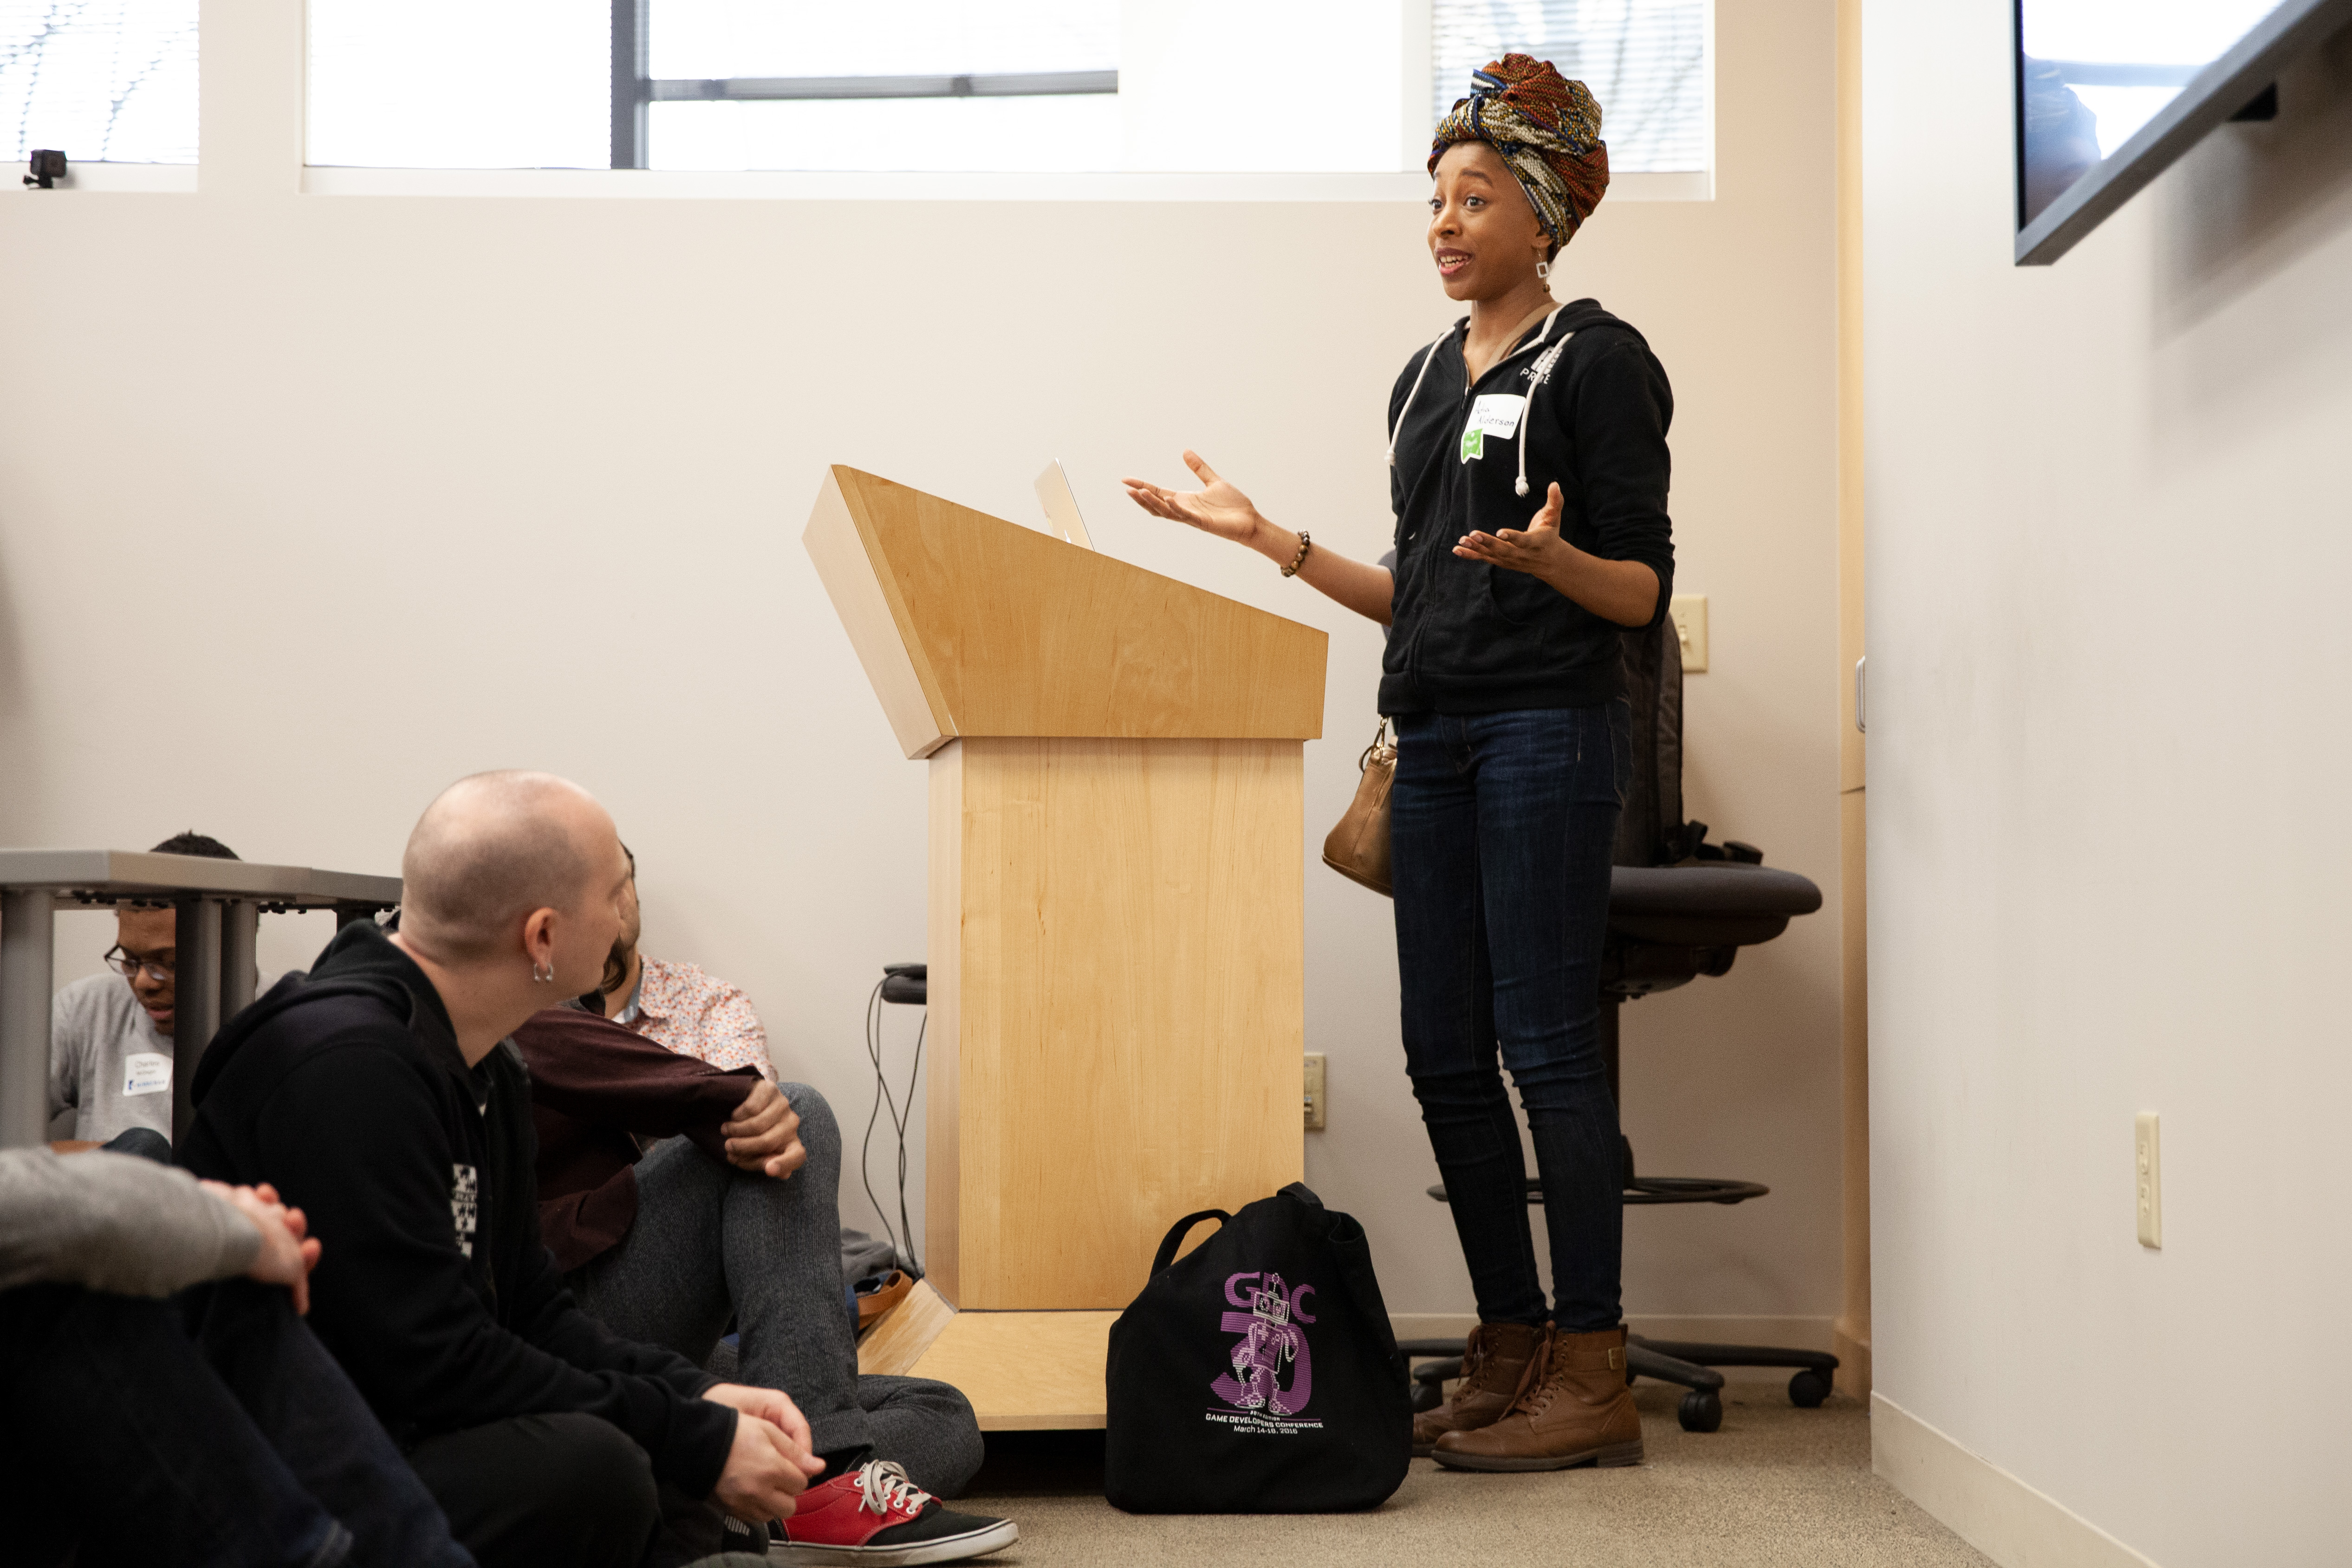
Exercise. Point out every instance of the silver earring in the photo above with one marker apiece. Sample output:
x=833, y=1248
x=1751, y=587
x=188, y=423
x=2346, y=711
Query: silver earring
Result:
x=543, y=972
x=1543, y=272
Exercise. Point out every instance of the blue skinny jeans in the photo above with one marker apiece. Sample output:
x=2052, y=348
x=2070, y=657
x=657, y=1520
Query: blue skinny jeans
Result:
x=1503, y=826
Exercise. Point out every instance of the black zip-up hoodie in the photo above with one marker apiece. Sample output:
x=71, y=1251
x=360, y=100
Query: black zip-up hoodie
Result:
x=1468, y=638
x=346, y=1088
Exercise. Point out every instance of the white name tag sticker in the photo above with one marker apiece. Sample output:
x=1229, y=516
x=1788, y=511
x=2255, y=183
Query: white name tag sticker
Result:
x=1498, y=413
x=146, y=1072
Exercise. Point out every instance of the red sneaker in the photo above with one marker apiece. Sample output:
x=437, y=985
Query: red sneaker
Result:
x=876, y=1516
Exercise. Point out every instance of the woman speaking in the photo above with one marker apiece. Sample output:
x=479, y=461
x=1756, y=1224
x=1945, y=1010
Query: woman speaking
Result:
x=1513, y=748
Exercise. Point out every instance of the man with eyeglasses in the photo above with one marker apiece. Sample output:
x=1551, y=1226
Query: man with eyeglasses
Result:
x=110, y=1042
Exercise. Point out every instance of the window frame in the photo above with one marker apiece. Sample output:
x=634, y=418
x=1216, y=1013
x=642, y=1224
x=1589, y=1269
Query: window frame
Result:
x=634, y=90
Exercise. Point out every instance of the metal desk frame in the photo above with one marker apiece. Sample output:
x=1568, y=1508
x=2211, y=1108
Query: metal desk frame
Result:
x=219, y=905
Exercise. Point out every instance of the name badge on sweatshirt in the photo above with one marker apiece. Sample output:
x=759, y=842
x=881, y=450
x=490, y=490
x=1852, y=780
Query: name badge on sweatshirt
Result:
x=1496, y=414
x=146, y=1072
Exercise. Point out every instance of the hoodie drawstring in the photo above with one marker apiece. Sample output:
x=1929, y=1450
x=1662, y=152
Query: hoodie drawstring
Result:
x=1538, y=374
x=1427, y=360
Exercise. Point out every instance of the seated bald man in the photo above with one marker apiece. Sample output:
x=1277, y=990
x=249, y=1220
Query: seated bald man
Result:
x=380, y=1093
x=734, y=1214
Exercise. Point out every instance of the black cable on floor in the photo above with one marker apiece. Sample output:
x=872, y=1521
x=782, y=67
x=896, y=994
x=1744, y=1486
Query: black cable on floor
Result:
x=903, y=1250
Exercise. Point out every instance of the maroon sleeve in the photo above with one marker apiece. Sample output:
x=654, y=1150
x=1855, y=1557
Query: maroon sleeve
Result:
x=606, y=1074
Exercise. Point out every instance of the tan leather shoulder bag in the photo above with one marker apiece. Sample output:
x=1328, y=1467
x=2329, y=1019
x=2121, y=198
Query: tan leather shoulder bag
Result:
x=1358, y=849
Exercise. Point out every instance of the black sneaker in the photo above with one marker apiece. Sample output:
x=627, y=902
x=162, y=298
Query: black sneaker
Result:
x=875, y=1515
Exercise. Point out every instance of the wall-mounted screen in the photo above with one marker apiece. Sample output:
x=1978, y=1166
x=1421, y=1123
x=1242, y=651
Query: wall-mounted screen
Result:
x=2109, y=92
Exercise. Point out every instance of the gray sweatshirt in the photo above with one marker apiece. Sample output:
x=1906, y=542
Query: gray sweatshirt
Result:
x=114, y=1223
x=107, y=1062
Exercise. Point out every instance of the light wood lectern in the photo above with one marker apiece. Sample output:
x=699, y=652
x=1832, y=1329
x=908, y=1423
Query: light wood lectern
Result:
x=1117, y=856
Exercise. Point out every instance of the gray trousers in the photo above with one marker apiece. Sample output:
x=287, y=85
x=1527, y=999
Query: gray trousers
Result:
x=712, y=1242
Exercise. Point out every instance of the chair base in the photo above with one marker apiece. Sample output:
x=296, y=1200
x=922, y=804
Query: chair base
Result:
x=1687, y=1364
x=1690, y=1364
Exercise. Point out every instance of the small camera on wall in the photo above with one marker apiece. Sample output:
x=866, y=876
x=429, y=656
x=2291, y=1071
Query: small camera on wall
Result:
x=49, y=168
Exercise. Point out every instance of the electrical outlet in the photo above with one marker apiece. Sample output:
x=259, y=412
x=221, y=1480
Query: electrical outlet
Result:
x=2149, y=1168
x=1314, y=1091
x=1688, y=611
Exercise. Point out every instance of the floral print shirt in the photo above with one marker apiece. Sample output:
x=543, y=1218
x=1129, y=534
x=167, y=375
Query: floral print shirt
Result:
x=678, y=1006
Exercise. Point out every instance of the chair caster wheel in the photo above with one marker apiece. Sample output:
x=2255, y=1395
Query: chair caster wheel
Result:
x=1807, y=1389
x=1702, y=1411
x=1430, y=1396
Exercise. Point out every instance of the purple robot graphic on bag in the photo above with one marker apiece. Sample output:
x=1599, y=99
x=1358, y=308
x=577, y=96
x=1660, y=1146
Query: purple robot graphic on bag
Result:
x=1272, y=1340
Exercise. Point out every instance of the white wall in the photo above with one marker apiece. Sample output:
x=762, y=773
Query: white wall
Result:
x=311, y=504
x=2107, y=505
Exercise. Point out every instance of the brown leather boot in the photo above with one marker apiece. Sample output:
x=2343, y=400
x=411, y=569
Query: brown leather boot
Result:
x=1576, y=1411
x=1495, y=1366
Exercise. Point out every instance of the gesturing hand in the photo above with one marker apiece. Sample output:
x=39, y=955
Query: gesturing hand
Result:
x=764, y=1133
x=1538, y=549
x=1214, y=508
x=288, y=1252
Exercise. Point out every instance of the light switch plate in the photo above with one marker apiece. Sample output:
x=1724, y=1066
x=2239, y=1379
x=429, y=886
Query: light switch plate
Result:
x=1689, y=613
x=1314, y=1091
x=2149, y=1173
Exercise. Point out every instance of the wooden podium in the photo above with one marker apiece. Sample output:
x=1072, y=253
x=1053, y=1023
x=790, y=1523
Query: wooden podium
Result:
x=1117, y=856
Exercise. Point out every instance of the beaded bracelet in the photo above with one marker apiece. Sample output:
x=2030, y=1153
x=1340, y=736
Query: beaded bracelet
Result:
x=1306, y=543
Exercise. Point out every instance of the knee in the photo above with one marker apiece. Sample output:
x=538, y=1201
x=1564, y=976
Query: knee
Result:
x=1560, y=1089
x=51, y=1334
x=1450, y=1094
x=597, y=1491
x=960, y=1450
x=144, y=1142
x=820, y=1132
x=929, y=1427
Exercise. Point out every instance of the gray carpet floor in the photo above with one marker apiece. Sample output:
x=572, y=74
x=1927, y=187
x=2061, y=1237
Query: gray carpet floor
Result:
x=1775, y=1486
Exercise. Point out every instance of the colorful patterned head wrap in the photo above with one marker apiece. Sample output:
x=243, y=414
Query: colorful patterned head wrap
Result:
x=1547, y=128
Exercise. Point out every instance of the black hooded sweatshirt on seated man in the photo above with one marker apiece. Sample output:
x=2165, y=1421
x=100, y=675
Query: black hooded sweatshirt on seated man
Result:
x=345, y=1088
x=1469, y=638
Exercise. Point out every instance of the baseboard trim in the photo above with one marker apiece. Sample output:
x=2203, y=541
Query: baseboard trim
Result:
x=1793, y=1330
x=1984, y=1505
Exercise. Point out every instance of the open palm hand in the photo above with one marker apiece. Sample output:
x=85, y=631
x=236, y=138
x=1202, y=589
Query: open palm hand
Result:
x=1217, y=507
x=1536, y=549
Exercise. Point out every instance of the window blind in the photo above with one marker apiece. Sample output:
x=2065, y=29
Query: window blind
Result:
x=1645, y=61
x=717, y=39
x=892, y=84
x=100, y=80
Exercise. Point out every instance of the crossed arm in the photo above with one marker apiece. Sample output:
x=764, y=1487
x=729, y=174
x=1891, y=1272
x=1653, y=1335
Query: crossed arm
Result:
x=126, y=1226
x=764, y=1133
x=606, y=1074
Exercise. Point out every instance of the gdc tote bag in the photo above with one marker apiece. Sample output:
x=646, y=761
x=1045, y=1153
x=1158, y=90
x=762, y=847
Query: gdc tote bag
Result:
x=1258, y=1375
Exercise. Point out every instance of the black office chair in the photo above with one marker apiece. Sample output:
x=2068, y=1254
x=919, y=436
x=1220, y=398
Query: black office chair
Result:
x=1679, y=907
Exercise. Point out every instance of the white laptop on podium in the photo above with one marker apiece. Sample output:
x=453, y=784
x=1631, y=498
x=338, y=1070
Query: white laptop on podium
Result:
x=1062, y=505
